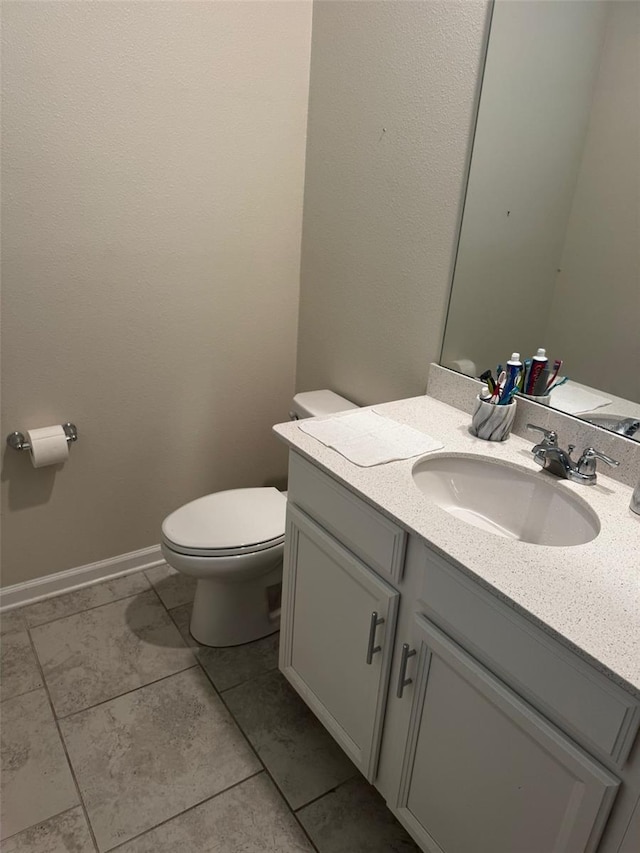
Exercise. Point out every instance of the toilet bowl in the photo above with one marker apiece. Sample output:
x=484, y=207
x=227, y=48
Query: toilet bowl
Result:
x=232, y=543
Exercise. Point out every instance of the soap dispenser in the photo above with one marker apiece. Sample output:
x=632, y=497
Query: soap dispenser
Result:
x=634, y=506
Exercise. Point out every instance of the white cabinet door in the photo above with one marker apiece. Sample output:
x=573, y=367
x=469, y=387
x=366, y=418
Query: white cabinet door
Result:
x=338, y=623
x=485, y=773
x=631, y=840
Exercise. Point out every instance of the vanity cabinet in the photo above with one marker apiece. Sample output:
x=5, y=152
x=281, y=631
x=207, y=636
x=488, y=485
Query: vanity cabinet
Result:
x=482, y=772
x=482, y=733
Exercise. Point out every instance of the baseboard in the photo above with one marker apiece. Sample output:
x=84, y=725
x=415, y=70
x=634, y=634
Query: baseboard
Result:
x=38, y=589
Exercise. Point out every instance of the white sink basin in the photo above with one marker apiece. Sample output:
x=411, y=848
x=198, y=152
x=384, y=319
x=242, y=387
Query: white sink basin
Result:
x=506, y=500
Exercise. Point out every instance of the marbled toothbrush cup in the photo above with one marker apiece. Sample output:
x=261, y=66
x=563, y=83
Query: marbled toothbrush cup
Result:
x=490, y=422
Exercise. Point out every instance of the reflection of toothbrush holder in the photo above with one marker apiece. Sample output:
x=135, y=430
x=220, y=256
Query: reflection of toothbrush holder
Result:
x=545, y=399
x=491, y=422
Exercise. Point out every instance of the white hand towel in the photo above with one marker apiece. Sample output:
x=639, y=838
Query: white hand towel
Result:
x=367, y=438
x=574, y=400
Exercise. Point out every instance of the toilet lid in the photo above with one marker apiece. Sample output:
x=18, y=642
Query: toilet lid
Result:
x=235, y=520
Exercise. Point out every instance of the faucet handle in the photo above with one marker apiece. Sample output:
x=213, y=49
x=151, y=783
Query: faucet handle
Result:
x=587, y=462
x=550, y=436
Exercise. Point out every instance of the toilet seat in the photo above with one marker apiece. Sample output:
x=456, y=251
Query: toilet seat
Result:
x=223, y=552
x=227, y=524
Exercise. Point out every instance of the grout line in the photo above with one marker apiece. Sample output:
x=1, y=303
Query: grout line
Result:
x=126, y=692
x=159, y=583
x=331, y=791
x=255, y=752
x=56, y=720
x=185, y=811
x=20, y=695
x=218, y=693
x=168, y=612
x=201, y=647
x=84, y=609
x=246, y=681
x=40, y=822
x=81, y=802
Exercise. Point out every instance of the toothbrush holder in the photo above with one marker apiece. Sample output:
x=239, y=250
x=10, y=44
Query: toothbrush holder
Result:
x=545, y=399
x=490, y=422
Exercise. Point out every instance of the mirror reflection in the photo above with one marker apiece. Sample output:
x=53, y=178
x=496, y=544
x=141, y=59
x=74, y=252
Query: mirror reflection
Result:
x=549, y=252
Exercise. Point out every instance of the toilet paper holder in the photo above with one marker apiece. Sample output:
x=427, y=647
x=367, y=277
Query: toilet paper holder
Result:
x=17, y=441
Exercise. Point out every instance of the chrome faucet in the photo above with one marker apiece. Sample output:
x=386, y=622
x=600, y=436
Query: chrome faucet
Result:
x=621, y=426
x=627, y=426
x=559, y=462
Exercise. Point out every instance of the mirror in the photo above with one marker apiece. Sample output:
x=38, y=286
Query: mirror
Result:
x=549, y=250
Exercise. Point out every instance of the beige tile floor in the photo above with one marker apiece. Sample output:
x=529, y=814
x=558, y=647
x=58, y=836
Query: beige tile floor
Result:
x=120, y=732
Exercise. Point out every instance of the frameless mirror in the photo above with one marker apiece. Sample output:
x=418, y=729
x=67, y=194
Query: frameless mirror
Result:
x=549, y=251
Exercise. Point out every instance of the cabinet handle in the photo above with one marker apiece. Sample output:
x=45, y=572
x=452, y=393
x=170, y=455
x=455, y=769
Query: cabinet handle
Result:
x=402, y=677
x=371, y=648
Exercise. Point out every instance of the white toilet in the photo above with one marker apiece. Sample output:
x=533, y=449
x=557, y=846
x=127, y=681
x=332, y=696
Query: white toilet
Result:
x=232, y=542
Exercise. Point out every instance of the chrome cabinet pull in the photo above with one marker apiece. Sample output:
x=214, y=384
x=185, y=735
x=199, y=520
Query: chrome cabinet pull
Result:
x=371, y=647
x=402, y=677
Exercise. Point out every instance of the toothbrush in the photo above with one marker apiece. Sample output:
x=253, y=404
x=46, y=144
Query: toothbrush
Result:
x=504, y=400
x=519, y=383
x=557, y=385
x=497, y=392
x=510, y=396
x=557, y=364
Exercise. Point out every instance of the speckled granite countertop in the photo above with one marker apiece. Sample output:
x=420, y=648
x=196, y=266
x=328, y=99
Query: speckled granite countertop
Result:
x=587, y=595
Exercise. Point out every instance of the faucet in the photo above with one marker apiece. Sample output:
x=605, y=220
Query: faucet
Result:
x=627, y=426
x=621, y=426
x=559, y=462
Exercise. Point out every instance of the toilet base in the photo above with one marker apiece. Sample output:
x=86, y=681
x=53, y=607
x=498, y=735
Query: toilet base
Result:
x=230, y=614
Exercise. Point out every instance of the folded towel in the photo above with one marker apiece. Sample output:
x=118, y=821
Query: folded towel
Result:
x=574, y=400
x=367, y=438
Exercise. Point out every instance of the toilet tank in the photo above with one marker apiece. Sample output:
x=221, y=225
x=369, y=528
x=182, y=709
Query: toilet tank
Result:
x=310, y=404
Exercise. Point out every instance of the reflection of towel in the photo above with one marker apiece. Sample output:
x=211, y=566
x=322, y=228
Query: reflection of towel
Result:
x=574, y=400
x=367, y=438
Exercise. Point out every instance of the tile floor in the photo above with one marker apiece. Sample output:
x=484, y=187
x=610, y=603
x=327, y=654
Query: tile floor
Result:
x=120, y=732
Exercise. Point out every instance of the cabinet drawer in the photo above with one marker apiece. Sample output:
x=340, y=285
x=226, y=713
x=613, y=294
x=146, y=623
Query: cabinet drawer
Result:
x=587, y=705
x=375, y=539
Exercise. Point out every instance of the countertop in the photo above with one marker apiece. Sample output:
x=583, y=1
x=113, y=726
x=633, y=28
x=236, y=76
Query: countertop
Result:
x=587, y=596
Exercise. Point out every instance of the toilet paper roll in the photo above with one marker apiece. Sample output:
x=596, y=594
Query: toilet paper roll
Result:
x=49, y=446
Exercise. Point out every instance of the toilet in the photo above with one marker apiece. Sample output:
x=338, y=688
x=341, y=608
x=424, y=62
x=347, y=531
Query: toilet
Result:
x=232, y=543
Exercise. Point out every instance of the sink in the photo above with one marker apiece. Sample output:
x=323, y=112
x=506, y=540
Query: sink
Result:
x=506, y=500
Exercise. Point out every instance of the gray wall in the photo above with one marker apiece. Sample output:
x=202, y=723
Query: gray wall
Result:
x=153, y=168
x=392, y=95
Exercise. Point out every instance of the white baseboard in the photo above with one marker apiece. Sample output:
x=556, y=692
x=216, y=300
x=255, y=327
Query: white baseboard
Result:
x=31, y=591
